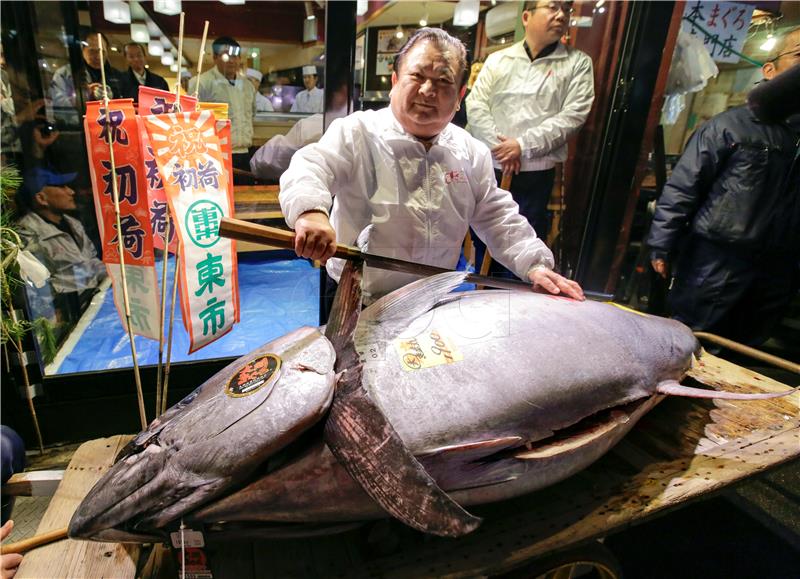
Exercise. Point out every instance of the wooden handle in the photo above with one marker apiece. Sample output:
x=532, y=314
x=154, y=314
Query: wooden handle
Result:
x=37, y=541
x=505, y=182
x=265, y=235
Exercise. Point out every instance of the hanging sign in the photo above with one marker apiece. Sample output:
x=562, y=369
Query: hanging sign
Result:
x=137, y=236
x=189, y=157
x=725, y=24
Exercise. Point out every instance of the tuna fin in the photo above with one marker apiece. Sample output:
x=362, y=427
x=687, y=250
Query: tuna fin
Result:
x=344, y=315
x=372, y=452
x=673, y=388
x=395, y=311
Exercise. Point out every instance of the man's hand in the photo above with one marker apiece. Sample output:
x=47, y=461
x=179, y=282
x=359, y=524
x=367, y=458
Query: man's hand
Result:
x=548, y=281
x=661, y=266
x=508, y=150
x=314, y=237
x=44, y=141
x=8, y=563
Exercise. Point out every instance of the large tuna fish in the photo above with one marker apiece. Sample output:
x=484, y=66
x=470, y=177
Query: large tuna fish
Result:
x=496, y=393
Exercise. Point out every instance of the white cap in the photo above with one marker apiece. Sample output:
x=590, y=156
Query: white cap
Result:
x=253, y=73
x=310, y=69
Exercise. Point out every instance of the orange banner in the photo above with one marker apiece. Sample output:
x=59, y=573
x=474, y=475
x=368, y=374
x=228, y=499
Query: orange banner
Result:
x=137, y=236
x=190, y=159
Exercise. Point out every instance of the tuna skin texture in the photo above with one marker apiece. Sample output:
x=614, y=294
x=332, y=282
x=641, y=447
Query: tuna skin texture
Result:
x=529, y=365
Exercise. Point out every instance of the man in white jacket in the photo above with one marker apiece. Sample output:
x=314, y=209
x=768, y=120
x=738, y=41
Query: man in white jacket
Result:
x=527, y=101
x=418, y=180
x=224, y=83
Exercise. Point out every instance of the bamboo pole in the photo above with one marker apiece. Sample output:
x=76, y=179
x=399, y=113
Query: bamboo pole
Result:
x=171, y=325
x=121, y=249
x=163, y=311
x=180, y=63
x=27, y=383
x=200, y=60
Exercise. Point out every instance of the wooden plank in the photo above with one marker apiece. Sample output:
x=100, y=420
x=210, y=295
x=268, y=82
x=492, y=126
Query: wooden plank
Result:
x=37, y=483
x=68, y=558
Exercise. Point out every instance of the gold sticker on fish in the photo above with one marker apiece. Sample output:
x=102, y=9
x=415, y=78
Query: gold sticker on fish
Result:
x=430, y=349
x=253, y=376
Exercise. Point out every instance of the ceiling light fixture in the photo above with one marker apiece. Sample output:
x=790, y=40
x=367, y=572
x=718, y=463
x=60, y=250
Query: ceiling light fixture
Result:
x=116, y=12
x=155, y=48
x=167, y=59
x=310, y=11
x=139, y=33
x=167, y=7
x=466, y=13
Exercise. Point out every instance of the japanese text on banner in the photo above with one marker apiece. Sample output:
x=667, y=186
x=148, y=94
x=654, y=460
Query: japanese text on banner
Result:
x=189, y=156
x=137, y=239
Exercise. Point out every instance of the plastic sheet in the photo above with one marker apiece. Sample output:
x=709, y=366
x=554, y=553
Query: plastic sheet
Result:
x=275, y=297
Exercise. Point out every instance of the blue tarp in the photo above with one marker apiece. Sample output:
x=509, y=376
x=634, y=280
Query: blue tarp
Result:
x=275, y=297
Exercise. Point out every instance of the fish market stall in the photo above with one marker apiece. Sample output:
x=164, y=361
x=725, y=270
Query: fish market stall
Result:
x=681, y=451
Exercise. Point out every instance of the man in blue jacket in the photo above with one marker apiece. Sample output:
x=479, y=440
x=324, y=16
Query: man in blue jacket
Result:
x=729, y=219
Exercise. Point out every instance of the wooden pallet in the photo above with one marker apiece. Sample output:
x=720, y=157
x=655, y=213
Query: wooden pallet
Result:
x=73, y=559
x=682, y=451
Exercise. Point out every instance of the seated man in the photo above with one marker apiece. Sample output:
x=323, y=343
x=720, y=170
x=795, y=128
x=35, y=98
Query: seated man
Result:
x=58, y=240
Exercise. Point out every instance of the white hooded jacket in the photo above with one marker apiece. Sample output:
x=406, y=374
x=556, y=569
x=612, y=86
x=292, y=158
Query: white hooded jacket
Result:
x=367, y=170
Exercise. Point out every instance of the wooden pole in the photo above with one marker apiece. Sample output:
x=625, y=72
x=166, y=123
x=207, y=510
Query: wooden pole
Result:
x=36, y=541
x=180, y=63
x=162, y=312
x=27, y=383
x=171, y=325
x=121, y=249
x=200, y=59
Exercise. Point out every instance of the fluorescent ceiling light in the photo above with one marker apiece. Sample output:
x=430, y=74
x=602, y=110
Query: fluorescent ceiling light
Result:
x=167, y=59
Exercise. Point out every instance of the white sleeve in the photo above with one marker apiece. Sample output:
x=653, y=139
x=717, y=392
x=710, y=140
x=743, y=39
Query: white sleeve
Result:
x=497, y=221
x=306, y=184
x=554, y=132
x=479, y=113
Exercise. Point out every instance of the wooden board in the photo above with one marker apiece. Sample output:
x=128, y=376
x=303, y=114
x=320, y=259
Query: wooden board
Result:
x=68, y=558
x=683, y=450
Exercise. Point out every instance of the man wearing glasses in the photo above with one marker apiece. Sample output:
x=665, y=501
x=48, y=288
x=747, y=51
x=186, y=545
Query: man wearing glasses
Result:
x=528, y=100
x=729, y=218
x=225, y=83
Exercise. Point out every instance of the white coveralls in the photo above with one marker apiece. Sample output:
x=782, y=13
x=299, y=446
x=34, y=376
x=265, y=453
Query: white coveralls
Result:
x=367, y=169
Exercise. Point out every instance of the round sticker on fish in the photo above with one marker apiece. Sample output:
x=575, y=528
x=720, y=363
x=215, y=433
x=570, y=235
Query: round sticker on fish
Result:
x=254, y=376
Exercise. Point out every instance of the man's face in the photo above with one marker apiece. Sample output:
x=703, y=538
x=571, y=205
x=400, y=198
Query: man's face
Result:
x=135, y=57
x=310, y=81
x=546, y=23
x=91, y=51
x=228, y=60
x=57, y=198
x=788, y=56
x=425, y=92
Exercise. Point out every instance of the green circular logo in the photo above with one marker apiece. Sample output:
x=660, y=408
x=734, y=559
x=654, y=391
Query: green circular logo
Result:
x=202, y=222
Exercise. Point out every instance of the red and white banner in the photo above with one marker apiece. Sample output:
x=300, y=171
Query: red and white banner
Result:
x=154, y=101
x=137, y=235
x=196, y=180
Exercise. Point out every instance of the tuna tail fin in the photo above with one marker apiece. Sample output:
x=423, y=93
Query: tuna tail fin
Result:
x=673, y=388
